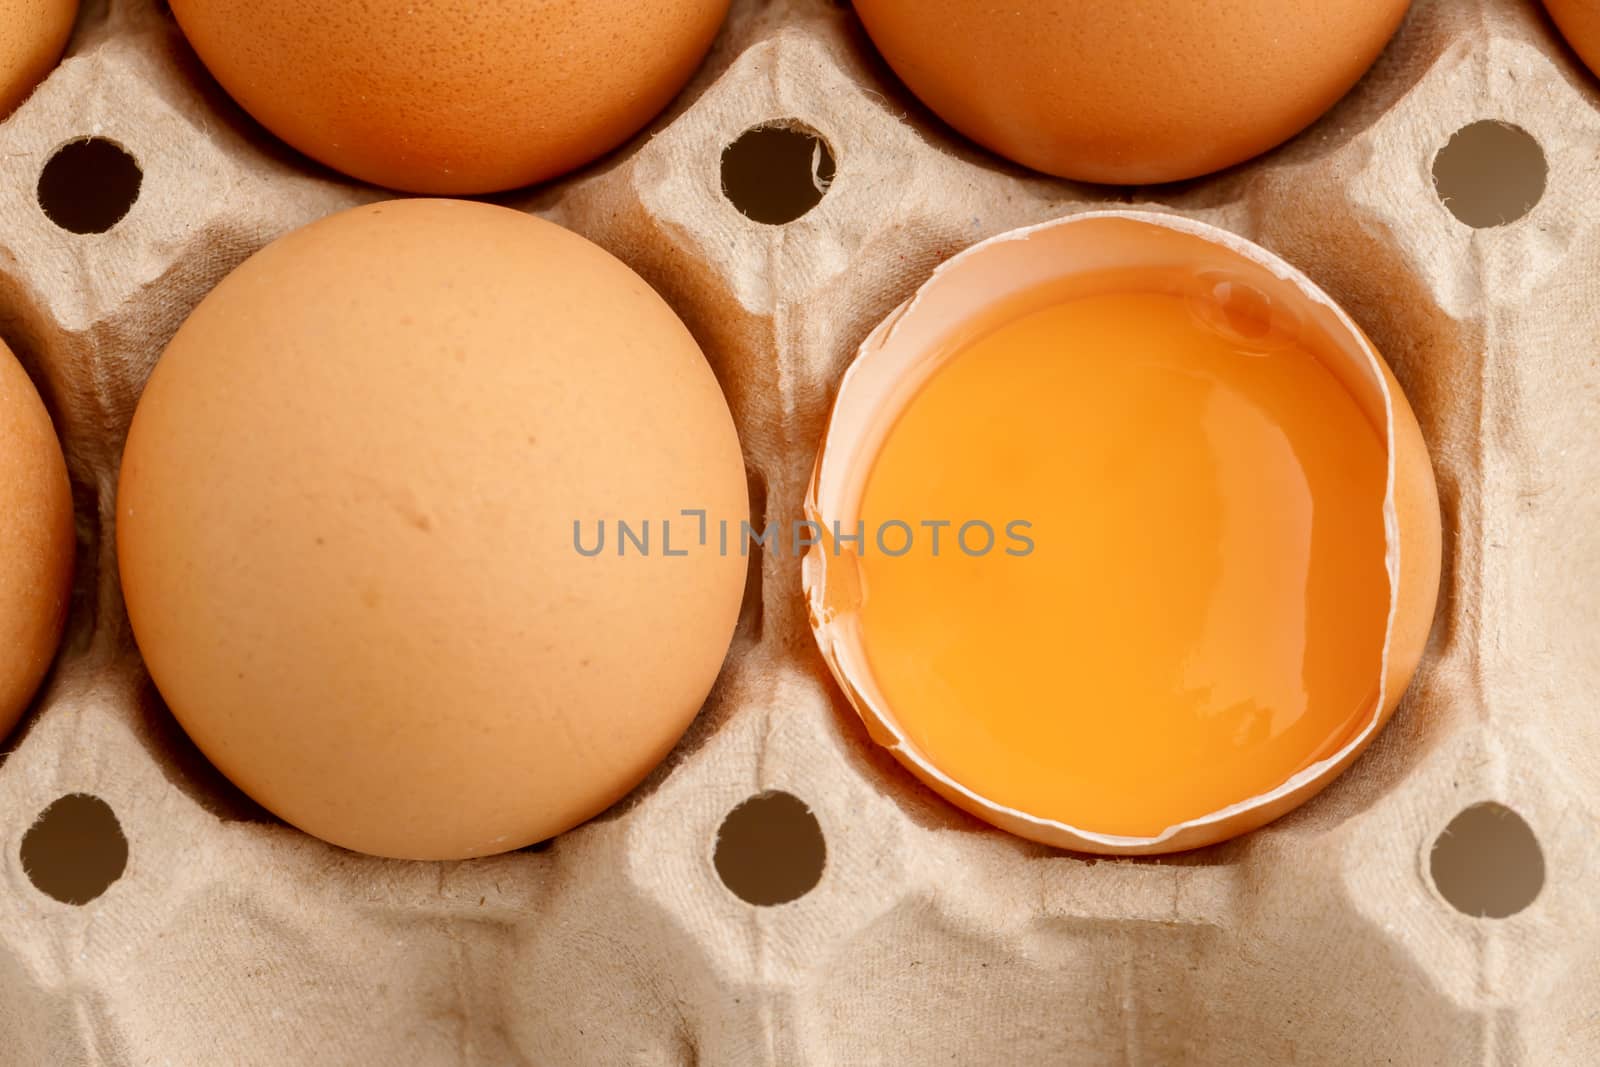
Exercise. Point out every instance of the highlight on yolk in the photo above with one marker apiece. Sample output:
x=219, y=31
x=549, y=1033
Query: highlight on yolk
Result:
x=1194, y=606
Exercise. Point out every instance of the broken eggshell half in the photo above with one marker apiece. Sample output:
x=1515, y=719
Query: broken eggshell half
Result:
x=1017, y=272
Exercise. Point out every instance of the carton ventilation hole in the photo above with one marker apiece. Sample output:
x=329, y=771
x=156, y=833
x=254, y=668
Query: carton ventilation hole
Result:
x=1490, y=173
x=75, y=851
x=770, y=849
x=777, y=171
x=1488, y=863
x=89, y=185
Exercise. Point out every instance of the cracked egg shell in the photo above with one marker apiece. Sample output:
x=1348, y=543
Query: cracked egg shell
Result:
x=1013, y=273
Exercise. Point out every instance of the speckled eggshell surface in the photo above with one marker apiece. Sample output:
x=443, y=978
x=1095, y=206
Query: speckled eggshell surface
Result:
x=32, y=35
x=1135, y=91
x=346, y=528
x=37, y=541
x=452, y=97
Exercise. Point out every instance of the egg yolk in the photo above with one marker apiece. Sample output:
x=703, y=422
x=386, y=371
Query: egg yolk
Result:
x=1185, y=597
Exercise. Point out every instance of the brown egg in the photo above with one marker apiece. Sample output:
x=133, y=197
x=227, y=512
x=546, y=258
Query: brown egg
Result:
x=1134, y=91
x=32, y=35
x=1579, y=22
x=36, y=541
x=349, y=523
x=452, y=97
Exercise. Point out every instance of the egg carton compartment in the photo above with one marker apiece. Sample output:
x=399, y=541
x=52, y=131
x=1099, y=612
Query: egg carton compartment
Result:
x=780, y=892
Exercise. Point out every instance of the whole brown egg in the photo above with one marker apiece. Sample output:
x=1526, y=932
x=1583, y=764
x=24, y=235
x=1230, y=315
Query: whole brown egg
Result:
x=452, y=97
x=37, y=541
x=32, y=35
x=1579, y=22
x=1131, y=91
x=358, y=519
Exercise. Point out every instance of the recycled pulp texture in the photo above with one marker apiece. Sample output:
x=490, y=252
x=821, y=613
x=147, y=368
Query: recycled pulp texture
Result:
x=930, y=937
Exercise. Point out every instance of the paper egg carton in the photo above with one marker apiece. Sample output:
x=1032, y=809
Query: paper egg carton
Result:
x=231, y=939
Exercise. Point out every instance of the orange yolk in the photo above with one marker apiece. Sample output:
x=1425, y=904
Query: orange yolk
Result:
x=1195, y=608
